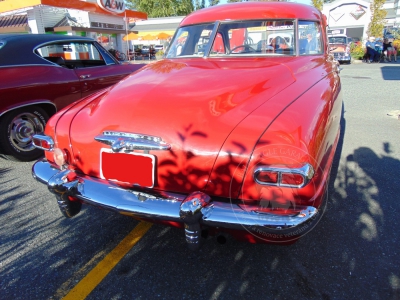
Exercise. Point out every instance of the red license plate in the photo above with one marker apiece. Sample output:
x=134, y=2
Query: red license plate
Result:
x=133, y=168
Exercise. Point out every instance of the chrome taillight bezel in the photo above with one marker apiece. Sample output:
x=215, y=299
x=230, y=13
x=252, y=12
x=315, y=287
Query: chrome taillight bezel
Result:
x=45, y=138
x=306, y=171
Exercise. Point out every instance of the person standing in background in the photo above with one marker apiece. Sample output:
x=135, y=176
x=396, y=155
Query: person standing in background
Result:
x=371, y=52
x=389, y=50
x=166, y=43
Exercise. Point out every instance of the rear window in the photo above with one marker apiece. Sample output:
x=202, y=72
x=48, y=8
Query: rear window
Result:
x=73, y=55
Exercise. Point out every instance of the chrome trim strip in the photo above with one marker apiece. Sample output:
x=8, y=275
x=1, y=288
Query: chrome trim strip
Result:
x=306, y=171
x=45, y=138
x=214, y=32
x=188, y=209
x=50, y=64
x=28, y=104
x=131, y=141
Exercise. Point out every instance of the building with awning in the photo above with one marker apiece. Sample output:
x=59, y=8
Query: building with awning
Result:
x=159, y=28
x=14, y=24
x=352, y=17
x=106, y=21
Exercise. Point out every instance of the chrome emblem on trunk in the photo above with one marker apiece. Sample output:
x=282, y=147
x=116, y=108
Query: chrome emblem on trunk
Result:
x=131, y=141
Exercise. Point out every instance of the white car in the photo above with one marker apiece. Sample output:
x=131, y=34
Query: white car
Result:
x=158, y=48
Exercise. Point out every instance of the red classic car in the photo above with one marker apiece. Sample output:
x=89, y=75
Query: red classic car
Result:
x=236, y=136
x=41, y=74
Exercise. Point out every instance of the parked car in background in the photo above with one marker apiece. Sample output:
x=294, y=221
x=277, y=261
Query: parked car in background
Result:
x=340, y=47
x=41, y=74
x=145, y=50
x=158, y=48
x=226, y=139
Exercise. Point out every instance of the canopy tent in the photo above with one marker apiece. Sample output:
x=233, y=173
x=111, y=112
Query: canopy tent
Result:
x=155, y=36
x=130, y=37
x=163, y=36
x=147, y=37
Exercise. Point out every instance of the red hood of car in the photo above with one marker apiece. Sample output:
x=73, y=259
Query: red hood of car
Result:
x=191, y=105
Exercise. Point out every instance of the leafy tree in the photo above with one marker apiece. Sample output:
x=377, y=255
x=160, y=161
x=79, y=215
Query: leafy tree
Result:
x=318, y=4
x=378, y=14
x=199, y=4
x=162, y=8
x=213, y=2
x=232, y=1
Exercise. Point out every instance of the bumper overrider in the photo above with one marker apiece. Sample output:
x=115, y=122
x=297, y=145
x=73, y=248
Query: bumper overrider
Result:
x=196, y=210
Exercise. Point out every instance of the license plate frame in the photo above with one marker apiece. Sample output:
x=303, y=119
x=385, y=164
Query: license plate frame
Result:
x=124, y=167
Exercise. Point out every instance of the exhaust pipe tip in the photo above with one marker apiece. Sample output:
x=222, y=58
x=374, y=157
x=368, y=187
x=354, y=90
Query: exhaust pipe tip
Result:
x=221, y=239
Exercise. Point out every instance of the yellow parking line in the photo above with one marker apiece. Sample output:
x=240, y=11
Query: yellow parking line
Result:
x=91, y=280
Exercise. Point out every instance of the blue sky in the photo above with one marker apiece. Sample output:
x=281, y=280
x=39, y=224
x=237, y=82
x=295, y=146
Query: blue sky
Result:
x=298, y=1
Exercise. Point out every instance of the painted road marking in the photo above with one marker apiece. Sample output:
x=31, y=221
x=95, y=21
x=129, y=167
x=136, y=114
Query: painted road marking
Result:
x=97, y=274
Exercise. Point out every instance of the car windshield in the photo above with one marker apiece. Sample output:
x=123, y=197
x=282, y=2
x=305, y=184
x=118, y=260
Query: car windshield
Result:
x=246, y=38
x=337, y=40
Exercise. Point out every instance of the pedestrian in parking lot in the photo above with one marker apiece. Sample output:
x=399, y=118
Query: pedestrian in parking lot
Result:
x=166, y=43
x=389, y=50
x=371, y=52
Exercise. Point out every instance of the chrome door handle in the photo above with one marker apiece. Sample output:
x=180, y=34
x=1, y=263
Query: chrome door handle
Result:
x=84, y=76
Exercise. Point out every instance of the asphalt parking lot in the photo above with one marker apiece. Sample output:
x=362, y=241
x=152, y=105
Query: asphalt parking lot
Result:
x=353, y=253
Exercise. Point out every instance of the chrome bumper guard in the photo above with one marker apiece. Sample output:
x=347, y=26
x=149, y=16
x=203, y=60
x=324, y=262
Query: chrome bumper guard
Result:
x=194, y=210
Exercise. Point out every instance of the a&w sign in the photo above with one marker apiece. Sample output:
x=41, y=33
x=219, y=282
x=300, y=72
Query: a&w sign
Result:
x=113, y=6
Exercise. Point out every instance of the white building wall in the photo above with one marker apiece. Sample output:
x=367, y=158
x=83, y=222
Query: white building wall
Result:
x=51, y=15
x=35, y=20
x=340, y=14
x=345, y=14
x=82, y=17
x=120, y=44
x=106, y=19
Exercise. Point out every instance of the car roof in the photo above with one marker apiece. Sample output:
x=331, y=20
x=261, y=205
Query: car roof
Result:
x=253, y=10
x=19, y=49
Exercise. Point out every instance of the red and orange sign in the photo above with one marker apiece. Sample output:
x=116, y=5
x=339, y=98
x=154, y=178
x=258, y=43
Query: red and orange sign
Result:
x=113, y=6
x=109, y=7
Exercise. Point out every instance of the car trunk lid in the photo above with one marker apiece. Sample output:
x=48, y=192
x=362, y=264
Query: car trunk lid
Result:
x=191, y=105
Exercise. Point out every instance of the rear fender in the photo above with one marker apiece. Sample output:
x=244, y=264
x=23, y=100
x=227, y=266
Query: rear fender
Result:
x=306, y=132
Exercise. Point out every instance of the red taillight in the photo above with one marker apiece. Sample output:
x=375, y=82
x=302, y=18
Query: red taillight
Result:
x=291, y=179
x=284, y=176
x=43, y=142
x=39, y=143
x=267, y=176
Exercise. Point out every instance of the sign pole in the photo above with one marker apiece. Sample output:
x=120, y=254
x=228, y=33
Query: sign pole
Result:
x=127, y=40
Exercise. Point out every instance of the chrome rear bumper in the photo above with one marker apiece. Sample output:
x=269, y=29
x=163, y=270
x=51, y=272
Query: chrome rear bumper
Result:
x=194, y=210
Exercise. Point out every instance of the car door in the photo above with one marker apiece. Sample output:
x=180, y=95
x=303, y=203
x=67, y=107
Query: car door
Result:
x=48, y=79
x=95, y=67
x=21, y=85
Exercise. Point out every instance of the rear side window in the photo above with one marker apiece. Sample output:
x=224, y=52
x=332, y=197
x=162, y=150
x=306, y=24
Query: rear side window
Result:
x=72, y=55
x=2, y=43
